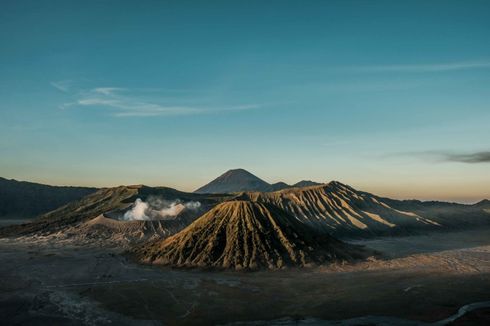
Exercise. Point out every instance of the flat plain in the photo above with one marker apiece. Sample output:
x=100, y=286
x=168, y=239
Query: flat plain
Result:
x=422, y=279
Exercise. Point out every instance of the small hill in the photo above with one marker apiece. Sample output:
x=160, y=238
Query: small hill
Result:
x=104, y=231
x=306, y=183
x=234, y=181
x=246, y=235
x=279, y=186
x=485, y=203
x=20, y=199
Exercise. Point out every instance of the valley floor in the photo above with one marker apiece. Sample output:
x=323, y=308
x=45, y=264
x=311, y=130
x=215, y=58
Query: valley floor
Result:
x=424, y=279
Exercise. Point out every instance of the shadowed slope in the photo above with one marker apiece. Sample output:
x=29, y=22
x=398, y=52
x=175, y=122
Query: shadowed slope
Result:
x=107, y=231
x=344, y=211
x=238, y=180
x=305, y=183
x=341, y=210
x=21, y=199
x=75, y=212
x=111, y=202
x=246, y=235
x=234, y=181
x=279, y=186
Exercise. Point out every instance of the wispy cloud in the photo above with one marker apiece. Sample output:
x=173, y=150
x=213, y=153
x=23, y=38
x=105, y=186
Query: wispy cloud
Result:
x=107, y=90
x=478, y=157
x=62, y=85
x=124, y=102
x=152, y=110
x=421, y=68
x=447, y=156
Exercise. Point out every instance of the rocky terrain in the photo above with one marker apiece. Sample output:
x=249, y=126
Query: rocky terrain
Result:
x=81, y=263
x=424, y=281
x=343, y=211
x=101, y=216
x=295, y=226
x=247, y=235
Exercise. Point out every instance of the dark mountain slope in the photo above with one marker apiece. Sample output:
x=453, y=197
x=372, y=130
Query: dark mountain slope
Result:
x=20, y=199
x=279, y=186
x=306, y=183
x=246, y=235
x=343, y=211
x=235, y=181
x=113, y=203
x=239, y=180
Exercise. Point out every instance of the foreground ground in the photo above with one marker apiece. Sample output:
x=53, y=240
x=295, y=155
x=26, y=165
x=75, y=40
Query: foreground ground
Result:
x=423, y=279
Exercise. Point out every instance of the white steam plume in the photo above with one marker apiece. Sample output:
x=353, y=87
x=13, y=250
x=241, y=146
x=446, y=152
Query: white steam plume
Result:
x=138, y=212
x=156, y=208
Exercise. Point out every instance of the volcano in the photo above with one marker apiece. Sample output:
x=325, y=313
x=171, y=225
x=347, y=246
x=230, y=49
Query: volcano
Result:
x=114, y=203
x=238, y=180
x=247, y=235
x=342, y=211
x=235, y=180
x=334, y=208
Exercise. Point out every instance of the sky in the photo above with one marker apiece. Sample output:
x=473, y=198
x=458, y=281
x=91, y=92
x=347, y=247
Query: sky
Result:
x=389, y=97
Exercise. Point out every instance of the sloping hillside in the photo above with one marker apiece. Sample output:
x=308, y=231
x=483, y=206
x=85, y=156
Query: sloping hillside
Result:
x=20, y=199
x=305, y=183
x=342, y=211
x=332, y=208
x=114, y=203
x=238, y=180
x=108, y=231
x=246, y=235
x=234, y=181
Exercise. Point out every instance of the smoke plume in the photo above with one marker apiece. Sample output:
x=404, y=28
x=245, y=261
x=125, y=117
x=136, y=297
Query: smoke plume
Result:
x=138, y=211
x=156, y=208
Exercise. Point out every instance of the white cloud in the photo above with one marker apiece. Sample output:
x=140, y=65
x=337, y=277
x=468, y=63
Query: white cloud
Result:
x=97, y=101
x=421, y=68
x=153, y=111
x=135, y=103
x=150, y=110
x=62, y=85
x=107, y=90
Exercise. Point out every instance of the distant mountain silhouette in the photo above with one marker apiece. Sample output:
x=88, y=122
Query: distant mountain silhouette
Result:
x=485, y=203
x=306, y=183
x=282, y=185
x=278, y=186
x=235, y=181
x=20, y=199
x=238, y=180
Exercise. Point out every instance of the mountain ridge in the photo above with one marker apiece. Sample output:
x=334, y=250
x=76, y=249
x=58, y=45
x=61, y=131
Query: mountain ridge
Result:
x=344, y=211
x=24, y=199
x=238, y=180
x=109, y=202
x=241, y=234
x=334, y=208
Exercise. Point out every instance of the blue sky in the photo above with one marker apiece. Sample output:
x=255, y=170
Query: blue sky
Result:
x=389, y=97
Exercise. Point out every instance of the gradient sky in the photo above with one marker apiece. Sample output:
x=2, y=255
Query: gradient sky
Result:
x=390, y=97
